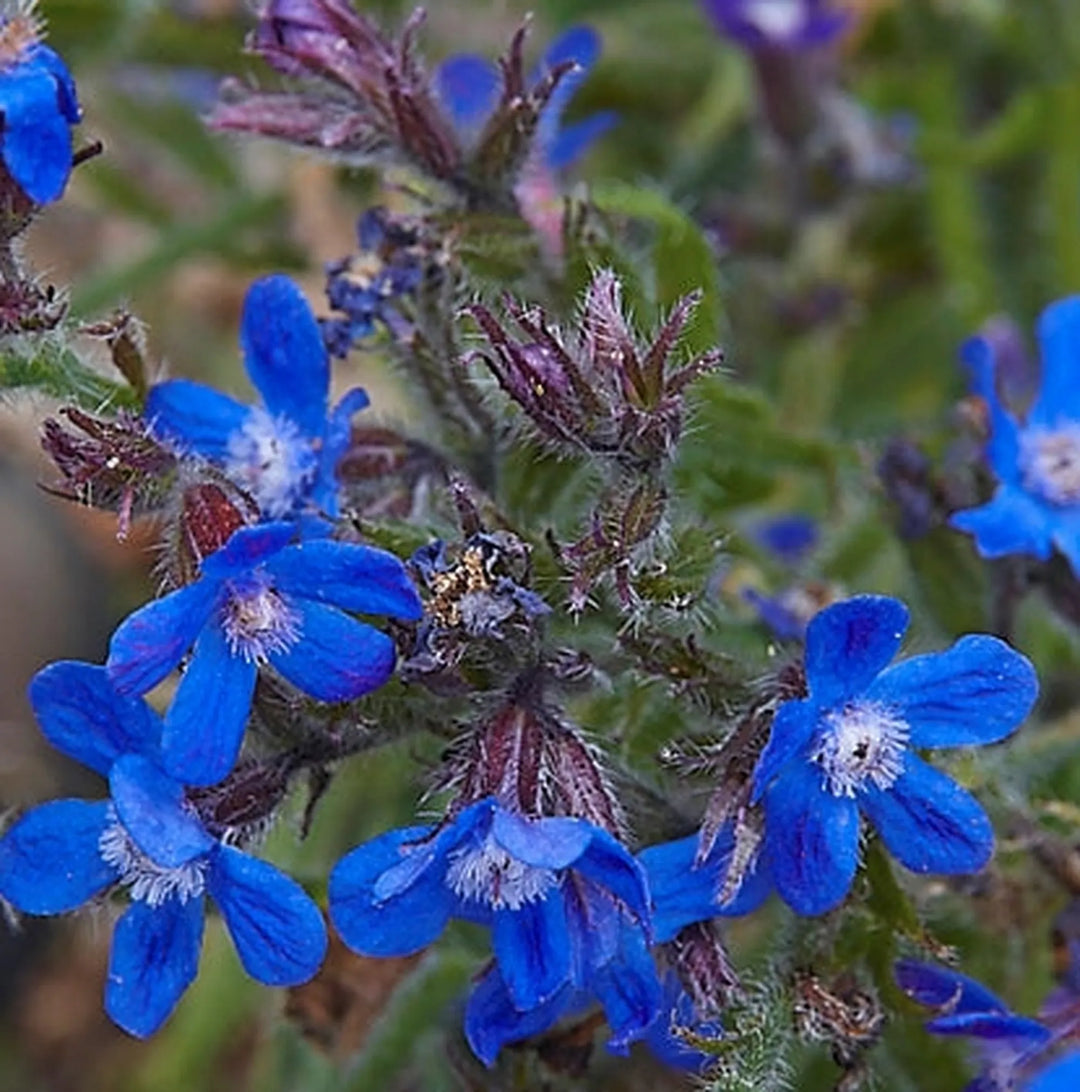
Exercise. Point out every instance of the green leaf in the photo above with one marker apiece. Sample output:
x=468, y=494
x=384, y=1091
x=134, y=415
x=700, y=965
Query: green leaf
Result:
x=53, y=369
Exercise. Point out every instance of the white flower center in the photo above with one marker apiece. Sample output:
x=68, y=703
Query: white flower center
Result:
x=258, y=622
x=1050, y=463
x=271, y=459
x=149, y=882
x=778, y=20
x=487, y=873
x=861, y=744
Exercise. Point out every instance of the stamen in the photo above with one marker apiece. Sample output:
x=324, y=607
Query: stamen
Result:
x=862, y=743
x=272, y=460
x=1050, y=463
x=149, y=882
x=259, y=622
x=488, y=874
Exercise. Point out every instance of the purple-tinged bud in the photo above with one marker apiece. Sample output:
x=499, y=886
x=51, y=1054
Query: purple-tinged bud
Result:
x=534, y=761
x=113, y=464
x=597, y=389
x=701, y=961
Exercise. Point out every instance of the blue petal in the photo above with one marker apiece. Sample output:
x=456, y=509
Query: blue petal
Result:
x=581, y=46
x=194, y=417
x=684, y=892
x=248, y=548
x=335, y=444
x=939, y=987
x=349, y=576
x=204, y=726
x=629, y=990
x=68, y=99
x=399, y=924
x=148, y=644
x=608, y=863
x=849, y=643
x=468, y=88
x=812, y=841
x=1003, y=447
x=1062, y=1076
x=928, y=822
x=976, y=692
x=278, y=931
x=82, y=715
x=36, y=139
x=1059, y=343
x=1014, y=522
x=337, y=658
x=1066, y=536
x=992, y=1026
x=49, y=860
x=532, y=946
x=284, y=353
x=155, y=957
x=492, y=1021
x=792, y=728
x=541, y=843
x=572, y=141
x=152, y=807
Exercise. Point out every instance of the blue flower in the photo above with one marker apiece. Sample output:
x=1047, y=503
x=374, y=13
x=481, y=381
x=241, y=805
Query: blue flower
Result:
x=149, y=838
x=567, y=907
x=1007, y=1043
x=39, y=106
x=260, y=600
x=469, y=87
x=1037, y=503
x=285, y=451
x=366, y=285
x=848, y=747
x=778, y=24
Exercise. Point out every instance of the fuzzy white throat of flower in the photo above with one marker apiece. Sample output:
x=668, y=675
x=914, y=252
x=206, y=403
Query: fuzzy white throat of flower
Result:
x=778, y=20
x=148, y=881
x=272, y=460
x=1050, y=463
x=488, y=874
x=21, y=28
x=259, y=621
x=860, y=746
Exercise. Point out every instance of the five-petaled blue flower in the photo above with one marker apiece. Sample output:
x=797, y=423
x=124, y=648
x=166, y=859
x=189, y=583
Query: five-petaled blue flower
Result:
x=567, y=906
x=148, y=838
x=285, y=451
x=1037, y=504
x=39, y=106
x=1007, y=1043
x=260, y=599
x=778, y=24
x=848, y=747
x=469, y=87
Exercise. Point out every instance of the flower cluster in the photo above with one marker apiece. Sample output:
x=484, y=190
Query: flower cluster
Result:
x=258, y=588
